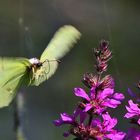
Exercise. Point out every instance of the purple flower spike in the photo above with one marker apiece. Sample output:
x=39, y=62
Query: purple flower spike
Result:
x=133, y=111
x=90, y=120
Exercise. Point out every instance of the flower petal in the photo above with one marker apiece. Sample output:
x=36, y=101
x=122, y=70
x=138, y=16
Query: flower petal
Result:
x=81, y=93
x=139, y=121
x=88, y=107
x=111, y=103
x=66, y=118
x=116, y=136
x=133, y=106
x=99, y=110
x=129, y=115
x=58, y=122
x=96, y=122
x=111, y=124
x=132, y=110
x=105, y=93
x=118, y=96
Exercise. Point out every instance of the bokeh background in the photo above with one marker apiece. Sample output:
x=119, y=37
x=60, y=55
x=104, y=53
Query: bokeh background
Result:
x=26, y=26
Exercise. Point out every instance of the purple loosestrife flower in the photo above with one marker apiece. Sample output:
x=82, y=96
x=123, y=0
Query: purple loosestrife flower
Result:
x=70, y=119
x=104, y=130
x=84, y=124
x=133, y=111
x=76, y=125
x=96, y=130
x=98, y=101
x=65, y=119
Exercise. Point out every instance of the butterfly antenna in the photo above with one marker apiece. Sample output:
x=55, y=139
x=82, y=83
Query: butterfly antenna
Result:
x=51, y=61
x=58, y=61
x=48, y=61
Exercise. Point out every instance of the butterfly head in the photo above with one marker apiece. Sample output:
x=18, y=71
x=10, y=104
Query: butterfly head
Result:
x=35, y=62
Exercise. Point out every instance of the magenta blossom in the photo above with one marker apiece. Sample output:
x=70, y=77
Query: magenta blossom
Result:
x=104, y=130
x=133, y=111
x=84, y=130
x=98, y=101
x=64, y=119
x=73, y=121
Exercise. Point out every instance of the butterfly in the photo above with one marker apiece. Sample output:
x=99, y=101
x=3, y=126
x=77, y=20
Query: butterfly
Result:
x=15, y=72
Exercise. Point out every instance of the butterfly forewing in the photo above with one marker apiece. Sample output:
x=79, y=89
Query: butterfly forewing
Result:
x=63, y=40
x=14, y=73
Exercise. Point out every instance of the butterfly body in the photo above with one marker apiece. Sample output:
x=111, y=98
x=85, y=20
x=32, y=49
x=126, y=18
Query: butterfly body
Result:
x=35, y=66
x=40, y=70
x=15, y=72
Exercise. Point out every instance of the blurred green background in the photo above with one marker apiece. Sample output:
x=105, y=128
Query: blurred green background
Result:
x=26, y=26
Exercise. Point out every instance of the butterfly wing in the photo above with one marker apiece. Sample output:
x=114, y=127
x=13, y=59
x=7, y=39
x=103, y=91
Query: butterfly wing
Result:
x=60, y=44
x=13, y=73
